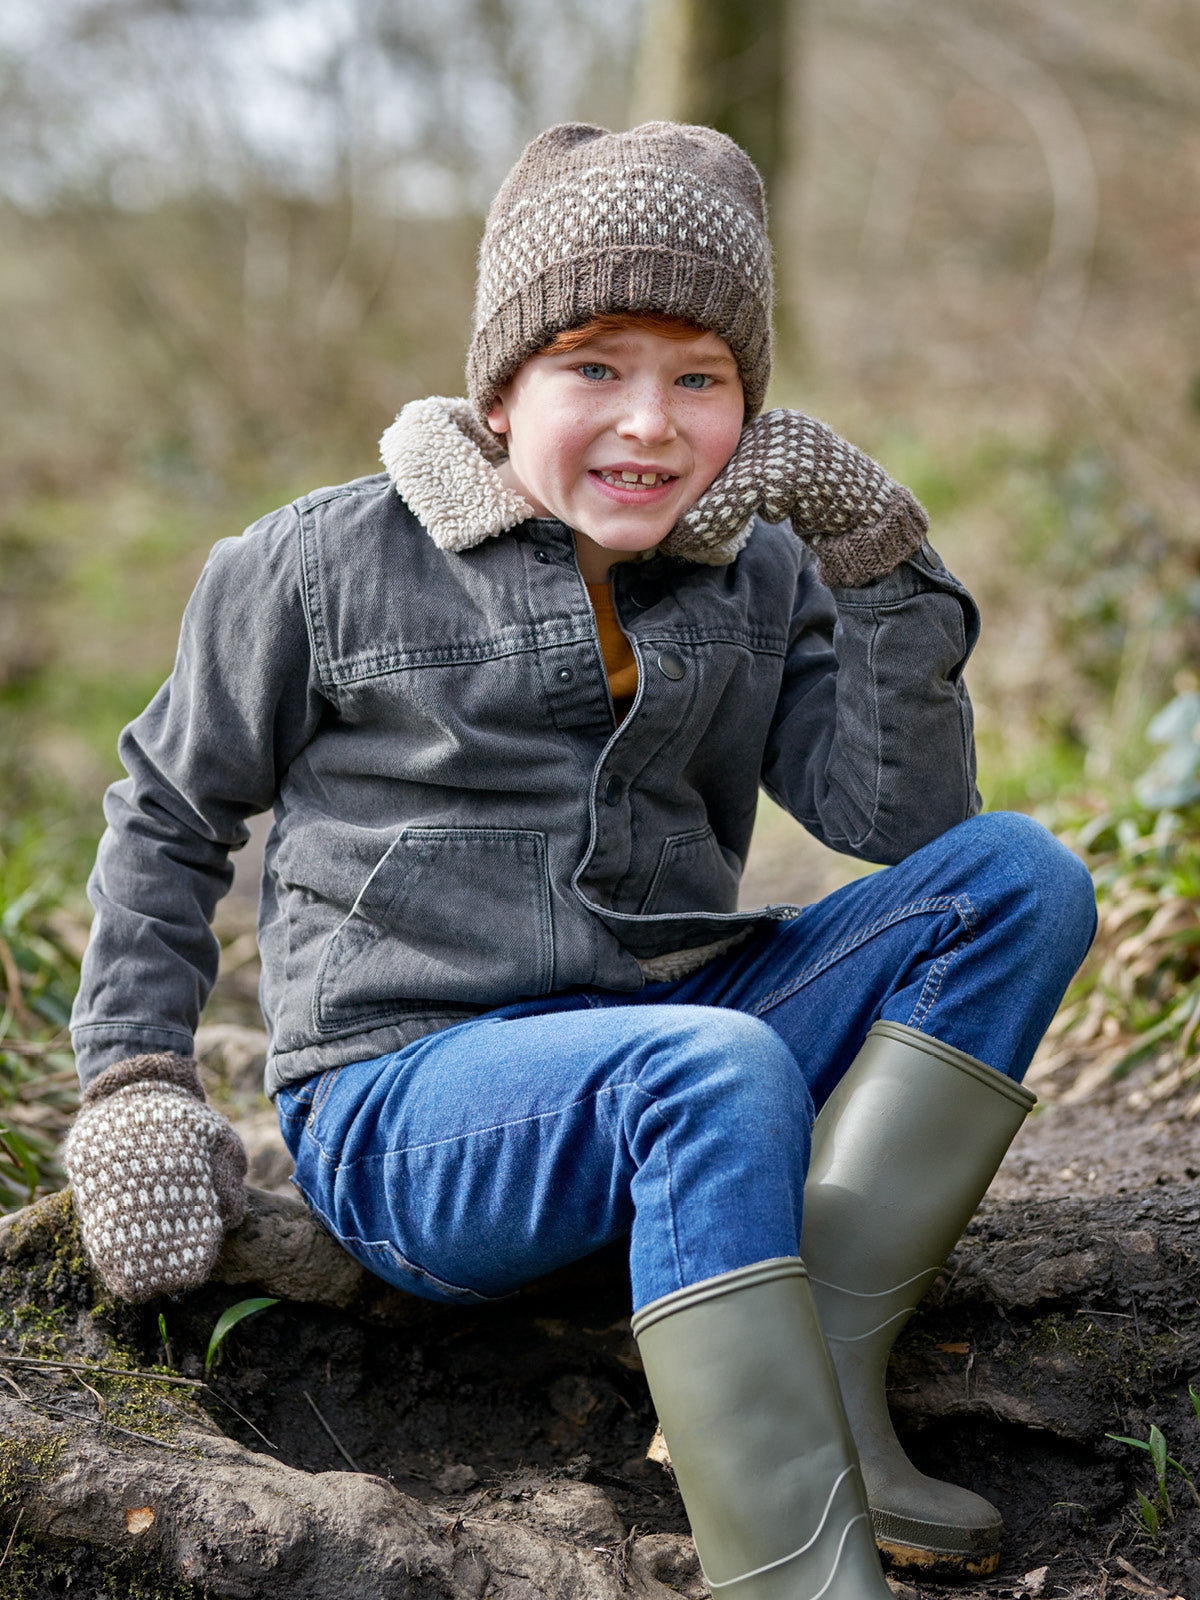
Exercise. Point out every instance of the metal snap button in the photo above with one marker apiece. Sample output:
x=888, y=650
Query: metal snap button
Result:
x=613, y=790
x=564, y=675
x=671, y=666
x=541, y=555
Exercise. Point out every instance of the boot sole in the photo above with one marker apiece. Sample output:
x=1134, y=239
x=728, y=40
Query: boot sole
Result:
x=936, y=1563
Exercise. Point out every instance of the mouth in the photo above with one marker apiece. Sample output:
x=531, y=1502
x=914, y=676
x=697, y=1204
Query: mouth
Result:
x=633, y=482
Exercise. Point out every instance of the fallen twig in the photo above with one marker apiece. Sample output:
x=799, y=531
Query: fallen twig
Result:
x=123, y=1372
x=345, y=1454
x=12, y=1536
x=111, y=1372
x=100, y=1422
x=1144, y=1584
x=240, y=1417
x=15, y=1387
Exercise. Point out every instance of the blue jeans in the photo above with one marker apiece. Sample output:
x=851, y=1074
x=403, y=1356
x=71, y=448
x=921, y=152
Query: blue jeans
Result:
x=482, y=1156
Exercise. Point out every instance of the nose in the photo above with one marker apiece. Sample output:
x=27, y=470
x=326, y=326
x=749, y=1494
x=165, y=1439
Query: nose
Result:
x=647, y=415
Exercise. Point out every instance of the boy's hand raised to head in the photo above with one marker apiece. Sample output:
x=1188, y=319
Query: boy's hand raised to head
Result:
x=157, y=1176
x=860, y=523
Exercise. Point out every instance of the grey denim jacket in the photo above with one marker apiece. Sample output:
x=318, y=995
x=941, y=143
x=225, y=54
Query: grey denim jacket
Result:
x=459, y=822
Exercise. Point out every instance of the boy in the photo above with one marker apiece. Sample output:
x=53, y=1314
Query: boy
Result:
x=511, y=705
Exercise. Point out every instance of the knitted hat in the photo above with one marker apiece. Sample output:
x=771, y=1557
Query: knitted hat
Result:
x=667, y=218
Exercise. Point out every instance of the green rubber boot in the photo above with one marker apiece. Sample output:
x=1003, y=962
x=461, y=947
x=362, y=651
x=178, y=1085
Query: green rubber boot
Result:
x=903, y=1152
x=740, y=1375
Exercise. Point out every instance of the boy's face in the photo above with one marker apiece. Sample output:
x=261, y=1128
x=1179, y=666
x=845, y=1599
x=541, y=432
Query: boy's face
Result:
x=586, y=430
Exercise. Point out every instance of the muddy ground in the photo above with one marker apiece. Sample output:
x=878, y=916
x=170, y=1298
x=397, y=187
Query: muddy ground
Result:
x=507, y=1445
x=352, y=1440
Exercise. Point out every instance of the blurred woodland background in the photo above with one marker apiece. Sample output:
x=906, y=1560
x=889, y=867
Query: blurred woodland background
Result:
x=237, y=235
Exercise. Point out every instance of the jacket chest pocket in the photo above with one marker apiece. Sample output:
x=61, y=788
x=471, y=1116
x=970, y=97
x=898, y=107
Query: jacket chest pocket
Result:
x=448, y=914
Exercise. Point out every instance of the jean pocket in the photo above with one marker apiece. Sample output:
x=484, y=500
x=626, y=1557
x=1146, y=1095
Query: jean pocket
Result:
x=381, y=1256
x=383, y=1259
x=448, y=915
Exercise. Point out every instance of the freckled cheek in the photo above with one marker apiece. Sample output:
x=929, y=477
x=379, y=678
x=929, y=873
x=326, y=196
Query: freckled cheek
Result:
x=717, y=446
x=567, y=453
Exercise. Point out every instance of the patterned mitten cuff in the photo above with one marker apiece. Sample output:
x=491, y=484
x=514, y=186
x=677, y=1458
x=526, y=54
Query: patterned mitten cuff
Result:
x=858, y=521
x=157, y=1176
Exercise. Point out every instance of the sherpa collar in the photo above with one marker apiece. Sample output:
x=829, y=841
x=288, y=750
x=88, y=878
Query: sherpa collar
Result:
x=442, y=461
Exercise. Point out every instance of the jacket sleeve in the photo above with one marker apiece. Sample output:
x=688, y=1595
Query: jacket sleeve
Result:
x=206, y=754
x=872, y=743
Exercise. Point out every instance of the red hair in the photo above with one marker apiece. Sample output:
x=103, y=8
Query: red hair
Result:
x=609, y=322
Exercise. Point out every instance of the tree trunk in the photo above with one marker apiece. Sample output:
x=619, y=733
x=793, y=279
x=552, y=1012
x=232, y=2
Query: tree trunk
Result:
x=735, y=65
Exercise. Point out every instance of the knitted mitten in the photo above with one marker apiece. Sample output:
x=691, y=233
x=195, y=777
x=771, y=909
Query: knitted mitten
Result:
x=858, y=521
x=156, y=1176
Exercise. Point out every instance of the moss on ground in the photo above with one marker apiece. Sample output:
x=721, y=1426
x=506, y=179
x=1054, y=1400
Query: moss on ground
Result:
x=43, y=1268
x=39, y=1568
x=22, y=1462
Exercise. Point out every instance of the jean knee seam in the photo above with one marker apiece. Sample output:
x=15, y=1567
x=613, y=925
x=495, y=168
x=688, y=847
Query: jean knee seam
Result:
x=936, y=975
x=928, y=996
x=635, y=1087
x=854, y=941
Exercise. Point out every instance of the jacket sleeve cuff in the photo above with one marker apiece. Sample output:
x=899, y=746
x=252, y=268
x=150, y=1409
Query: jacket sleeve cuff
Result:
x=178, y=1072
x=100, y=1045
x=922, y=573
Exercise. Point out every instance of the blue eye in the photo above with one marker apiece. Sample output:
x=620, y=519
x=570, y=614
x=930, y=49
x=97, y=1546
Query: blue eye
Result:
x=594, y=371
x=695, y=380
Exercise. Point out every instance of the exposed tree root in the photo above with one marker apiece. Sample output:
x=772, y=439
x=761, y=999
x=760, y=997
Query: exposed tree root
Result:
x=503, y=1447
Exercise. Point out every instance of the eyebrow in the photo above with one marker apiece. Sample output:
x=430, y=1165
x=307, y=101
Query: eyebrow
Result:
x=613, y=343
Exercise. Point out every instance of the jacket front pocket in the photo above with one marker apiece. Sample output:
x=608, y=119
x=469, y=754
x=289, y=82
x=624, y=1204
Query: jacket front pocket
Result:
x=693, y=874
x=448, y=915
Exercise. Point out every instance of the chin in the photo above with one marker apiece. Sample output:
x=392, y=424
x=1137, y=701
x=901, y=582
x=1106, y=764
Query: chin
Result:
x=634, y=541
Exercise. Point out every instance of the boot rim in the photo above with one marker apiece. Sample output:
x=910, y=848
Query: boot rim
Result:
x=723, y=1283
x=900, y=1033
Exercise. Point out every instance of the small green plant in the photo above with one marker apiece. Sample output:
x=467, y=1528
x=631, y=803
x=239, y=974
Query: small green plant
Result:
x=166, y=1342
x=1155, y=1513
x=226, y=1322
x=1149, y=1517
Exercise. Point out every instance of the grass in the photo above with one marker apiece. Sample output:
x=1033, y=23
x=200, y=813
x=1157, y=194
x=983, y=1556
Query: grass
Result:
x=1136, y=1000
x=227, y=1321
x=40, y=945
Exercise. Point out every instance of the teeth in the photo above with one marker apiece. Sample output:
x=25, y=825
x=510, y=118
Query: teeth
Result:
x=640, y=480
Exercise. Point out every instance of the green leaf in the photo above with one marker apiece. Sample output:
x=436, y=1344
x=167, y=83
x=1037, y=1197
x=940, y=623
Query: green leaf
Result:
x=1158, y=1451
x=227, y=1321
x=21, y=1154
x=1147, y=1515
x=1123, y=1438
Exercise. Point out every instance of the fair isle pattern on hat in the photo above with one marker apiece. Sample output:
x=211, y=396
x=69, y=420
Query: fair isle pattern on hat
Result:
x=668, y=218
x=156, y=1175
